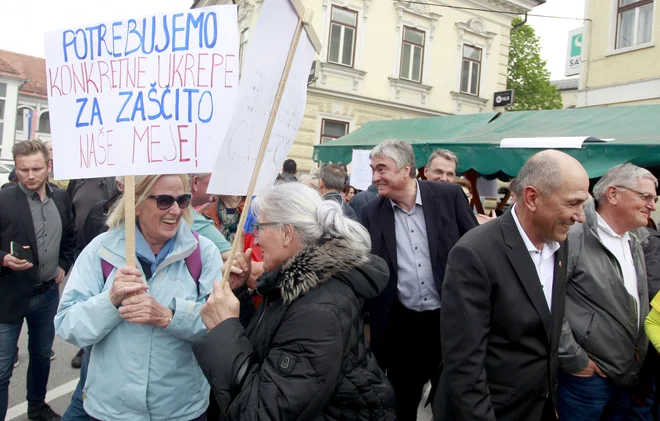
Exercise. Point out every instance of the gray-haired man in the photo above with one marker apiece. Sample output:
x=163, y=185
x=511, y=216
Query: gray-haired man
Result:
x=603, y=344
x=441, y=166
x=413, y=225
x=331, y=183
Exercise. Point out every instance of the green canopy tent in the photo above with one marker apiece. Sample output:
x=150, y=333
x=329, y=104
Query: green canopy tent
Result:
x=476, y=138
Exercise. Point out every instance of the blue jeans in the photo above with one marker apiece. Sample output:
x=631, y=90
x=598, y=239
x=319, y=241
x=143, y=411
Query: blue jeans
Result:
x=41, y=333
x=585, y=399
x=76, y=411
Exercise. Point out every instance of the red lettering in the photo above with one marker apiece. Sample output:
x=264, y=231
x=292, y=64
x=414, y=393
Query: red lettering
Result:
x=214, y=65
x=173, y=146
x=169, y=67
x=112, y=72
x=181, y=142
x=188, y=68
x=228, y=71
x=64, y=91
x=83, y=162
x=199, y=69
x=176, y=70
x=77, y=80
x=151, y=144
x=89, y=71
x=103, y=74
x=140, y=138
x=52, y=82
x=140, y=71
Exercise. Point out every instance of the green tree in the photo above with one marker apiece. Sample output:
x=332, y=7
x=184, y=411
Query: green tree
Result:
x=527, y=73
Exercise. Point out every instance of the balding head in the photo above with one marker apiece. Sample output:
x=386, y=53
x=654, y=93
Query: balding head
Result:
x=546, y=171
x=551, y=189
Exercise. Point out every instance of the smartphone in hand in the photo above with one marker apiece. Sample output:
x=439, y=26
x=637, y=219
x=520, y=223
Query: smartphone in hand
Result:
x=21, y=252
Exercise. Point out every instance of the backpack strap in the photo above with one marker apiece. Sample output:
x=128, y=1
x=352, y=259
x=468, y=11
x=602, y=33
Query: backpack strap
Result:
x=193, y=263
x=107, y=268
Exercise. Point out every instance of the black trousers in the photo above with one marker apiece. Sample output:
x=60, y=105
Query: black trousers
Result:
x=413, y=356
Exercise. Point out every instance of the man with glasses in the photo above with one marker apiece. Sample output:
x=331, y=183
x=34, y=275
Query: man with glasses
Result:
x=603, y=344
x=441, y=166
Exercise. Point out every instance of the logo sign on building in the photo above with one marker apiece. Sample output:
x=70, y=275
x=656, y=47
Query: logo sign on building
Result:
x=503, y=98
x=148, y=95
x=574, y=52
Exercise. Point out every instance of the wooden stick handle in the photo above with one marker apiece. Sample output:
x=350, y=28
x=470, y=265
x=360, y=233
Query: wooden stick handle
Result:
x=129, y=219
x=238, y=240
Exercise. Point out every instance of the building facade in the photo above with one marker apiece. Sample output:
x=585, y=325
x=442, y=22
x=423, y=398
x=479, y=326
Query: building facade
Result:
x=23, y=100
x=619, y=54
x=390, y=59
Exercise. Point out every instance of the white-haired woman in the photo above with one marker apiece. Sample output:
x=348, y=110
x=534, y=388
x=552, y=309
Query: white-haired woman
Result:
x=141, y=323
x=303, y=355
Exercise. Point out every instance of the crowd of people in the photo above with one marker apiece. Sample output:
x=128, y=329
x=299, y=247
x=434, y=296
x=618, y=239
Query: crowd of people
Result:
x=342, y=304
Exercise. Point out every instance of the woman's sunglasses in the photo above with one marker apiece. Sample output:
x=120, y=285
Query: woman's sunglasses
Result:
x=165, y=201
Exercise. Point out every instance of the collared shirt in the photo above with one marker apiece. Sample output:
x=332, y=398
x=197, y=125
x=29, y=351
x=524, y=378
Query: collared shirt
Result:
x=619, y=246
x=47, y=230
x=544, y=261
x=416, y=287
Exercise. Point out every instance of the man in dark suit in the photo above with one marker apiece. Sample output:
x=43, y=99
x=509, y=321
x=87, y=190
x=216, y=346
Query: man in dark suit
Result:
x=503, y=300
x=413, y=225
x=40, y=219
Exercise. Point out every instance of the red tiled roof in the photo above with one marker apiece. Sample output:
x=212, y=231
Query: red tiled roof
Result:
x=33, y=69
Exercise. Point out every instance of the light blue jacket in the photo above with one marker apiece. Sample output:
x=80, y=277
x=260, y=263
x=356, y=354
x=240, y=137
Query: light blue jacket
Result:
x=140, y=372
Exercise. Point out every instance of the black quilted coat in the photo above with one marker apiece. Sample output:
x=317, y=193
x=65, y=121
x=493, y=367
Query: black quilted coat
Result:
x=303, y=356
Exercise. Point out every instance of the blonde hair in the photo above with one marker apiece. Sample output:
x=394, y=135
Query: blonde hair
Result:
x=143, y=186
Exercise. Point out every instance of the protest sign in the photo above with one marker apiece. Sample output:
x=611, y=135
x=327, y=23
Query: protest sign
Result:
x=149, y=95
x=361, y=169
x=262, y=76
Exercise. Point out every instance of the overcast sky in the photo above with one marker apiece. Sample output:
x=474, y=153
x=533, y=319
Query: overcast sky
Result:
x=22, y=24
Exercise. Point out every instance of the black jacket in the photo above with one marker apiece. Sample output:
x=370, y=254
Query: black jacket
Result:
x=499, y=339
x=361, y=199
x=447, y=215
x=95, y=222
x=303, y=355
x=337, y=197
x=16, y=225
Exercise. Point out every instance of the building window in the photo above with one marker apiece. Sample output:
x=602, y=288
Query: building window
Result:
x=471, y=70
x=412, y=54
x=19, y=119
x=3, y=97
x=44, y=123
x=343, y=27
x=634, y=22
x=332, y=129
x=241, y=49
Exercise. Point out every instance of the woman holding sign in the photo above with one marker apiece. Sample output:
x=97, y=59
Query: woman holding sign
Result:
x=141, y=321
x=303, y=355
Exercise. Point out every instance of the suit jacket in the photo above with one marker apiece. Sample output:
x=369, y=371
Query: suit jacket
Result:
x=499, y=339
x=16, y=225
x=447, y=216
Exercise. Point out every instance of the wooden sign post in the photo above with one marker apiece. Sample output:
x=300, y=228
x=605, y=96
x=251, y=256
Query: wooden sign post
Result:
x=129, y=220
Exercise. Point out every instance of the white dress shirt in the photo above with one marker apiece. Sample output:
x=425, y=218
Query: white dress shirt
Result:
x=544, y=260
x=619, y=246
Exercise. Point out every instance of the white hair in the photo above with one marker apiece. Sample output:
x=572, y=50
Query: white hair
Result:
x=313, y=218
x=622, y=175
x=399, y=151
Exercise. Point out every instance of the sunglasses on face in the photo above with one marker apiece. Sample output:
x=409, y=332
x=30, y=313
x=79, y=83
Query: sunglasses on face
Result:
x=165, y=201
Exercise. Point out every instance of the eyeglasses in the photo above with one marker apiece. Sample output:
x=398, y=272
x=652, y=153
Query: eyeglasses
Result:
x=165, y=201
x=257, y=226
x=647, y=197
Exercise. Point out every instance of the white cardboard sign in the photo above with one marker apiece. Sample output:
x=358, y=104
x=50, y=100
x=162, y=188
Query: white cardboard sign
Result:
x=361, y=169
x=148, y=95
x=265, y=59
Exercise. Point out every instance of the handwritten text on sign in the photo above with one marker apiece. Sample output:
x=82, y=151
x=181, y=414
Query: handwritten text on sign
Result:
x=142, y=96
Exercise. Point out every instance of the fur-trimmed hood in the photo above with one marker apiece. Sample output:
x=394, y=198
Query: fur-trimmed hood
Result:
x=366, y=274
